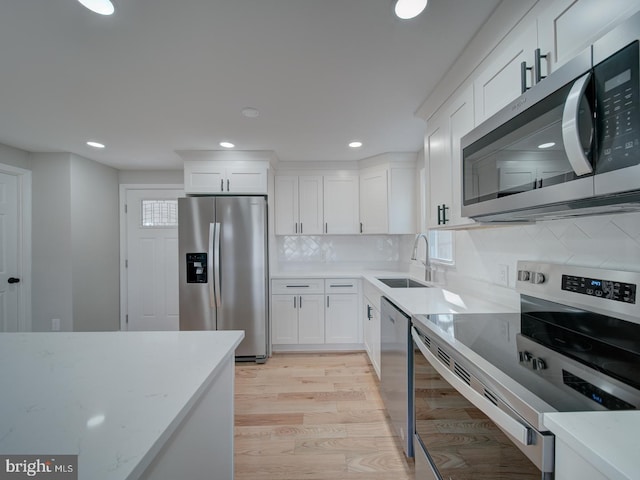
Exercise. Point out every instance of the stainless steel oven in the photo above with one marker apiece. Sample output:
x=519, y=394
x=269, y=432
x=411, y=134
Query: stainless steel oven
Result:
x=570, y=145
x=483, y=382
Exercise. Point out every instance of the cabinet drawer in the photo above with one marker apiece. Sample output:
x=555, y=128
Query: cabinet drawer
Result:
x=298, y=286
x=341, y=285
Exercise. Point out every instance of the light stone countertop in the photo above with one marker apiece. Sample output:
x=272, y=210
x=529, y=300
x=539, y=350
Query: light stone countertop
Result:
x=413, y=301
x=608, y=440
x=113, y=398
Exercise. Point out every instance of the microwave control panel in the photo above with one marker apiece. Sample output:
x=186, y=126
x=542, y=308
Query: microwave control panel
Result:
x=617, y=80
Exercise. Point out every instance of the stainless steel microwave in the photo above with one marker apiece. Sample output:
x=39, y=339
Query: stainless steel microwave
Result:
x=569, y=146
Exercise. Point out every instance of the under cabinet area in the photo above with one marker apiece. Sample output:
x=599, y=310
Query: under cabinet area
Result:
x=315, y=314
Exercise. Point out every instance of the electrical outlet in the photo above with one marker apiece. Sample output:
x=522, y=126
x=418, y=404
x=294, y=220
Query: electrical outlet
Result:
x=503, y=275
x=55, y=324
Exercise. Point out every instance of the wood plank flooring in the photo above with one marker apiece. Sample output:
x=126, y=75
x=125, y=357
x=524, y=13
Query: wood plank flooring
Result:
x=316, y=417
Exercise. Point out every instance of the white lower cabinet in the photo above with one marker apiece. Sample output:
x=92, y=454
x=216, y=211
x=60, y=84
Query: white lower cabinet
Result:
x=371, y=326
x=308, y=313
x=297, y=319
x=341, y=316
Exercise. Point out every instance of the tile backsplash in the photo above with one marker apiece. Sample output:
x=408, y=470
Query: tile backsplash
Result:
x=343, y=252
x=607, y=241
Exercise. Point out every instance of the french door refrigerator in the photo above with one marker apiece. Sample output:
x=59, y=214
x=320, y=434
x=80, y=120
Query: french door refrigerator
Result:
x=224, y=268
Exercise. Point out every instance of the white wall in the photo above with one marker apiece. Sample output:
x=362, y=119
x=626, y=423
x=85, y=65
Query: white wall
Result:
x=14, y=157
x=95, y=245
x=75, y=243
x=51, y=244
x=159, y=177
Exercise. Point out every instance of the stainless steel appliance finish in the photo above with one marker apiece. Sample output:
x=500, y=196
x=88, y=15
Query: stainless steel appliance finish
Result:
x=396, y=371
x=568, y=146
x=223, y=268
x=573, y=347
x=465, y=425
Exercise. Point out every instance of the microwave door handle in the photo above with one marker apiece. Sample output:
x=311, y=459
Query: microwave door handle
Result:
x=509, y=424
x=570, y=128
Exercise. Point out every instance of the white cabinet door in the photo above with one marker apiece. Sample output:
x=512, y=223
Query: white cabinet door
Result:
x=211, y=177
x=310, y=200
x=246, y=179
x=341, y=318
x=500, y=80
x=311, y=319
x=438, y=167
x=460, y=117
x=284, y=319
x=371, y=333
x=374, y=211
x=567, y=27
x=204, y=177
x=286, y=205
x=341, y=204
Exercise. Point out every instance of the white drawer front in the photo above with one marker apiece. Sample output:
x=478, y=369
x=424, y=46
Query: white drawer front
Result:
x=297, y=286
x=341, y=285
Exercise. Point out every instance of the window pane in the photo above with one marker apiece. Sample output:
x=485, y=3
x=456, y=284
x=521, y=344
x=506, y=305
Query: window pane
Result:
x=441, y=246
x=159, y=213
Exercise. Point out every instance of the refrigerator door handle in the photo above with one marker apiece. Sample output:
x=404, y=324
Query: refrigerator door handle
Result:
x=216, y=264
x=212, y=229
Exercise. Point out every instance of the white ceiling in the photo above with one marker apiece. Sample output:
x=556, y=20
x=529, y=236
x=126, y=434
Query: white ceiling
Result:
x=167, y=75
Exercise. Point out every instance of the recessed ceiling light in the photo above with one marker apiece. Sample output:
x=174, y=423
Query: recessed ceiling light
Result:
x=546, y=145
x=406, y=9
x=355, y=144
x=95, y=144
x=227, y=144
x=103, y=7
x=250, y=112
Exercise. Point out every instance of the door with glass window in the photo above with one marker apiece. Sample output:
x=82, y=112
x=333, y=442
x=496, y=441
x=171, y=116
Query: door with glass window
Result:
x=151, y=260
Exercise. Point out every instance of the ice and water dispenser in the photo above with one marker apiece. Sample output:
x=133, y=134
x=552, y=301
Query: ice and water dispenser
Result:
x=196, y=268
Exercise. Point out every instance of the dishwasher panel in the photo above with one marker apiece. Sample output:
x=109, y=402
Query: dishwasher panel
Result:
x=396, y=372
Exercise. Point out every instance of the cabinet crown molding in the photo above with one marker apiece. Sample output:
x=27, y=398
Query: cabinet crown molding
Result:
x=229, y=156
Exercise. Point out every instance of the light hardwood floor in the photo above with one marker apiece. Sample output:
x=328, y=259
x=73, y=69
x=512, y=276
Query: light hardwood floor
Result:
x=316, y=417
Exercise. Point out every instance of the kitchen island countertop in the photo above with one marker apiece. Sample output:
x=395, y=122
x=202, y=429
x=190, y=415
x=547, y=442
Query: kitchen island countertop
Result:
x=115, y=399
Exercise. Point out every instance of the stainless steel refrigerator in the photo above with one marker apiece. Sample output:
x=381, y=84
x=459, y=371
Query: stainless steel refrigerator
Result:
x=224, y=268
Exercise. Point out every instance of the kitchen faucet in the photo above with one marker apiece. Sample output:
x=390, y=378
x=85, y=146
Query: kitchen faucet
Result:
x=414, y=256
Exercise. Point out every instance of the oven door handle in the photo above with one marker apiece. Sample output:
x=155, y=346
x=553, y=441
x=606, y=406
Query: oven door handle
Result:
x=503, y=420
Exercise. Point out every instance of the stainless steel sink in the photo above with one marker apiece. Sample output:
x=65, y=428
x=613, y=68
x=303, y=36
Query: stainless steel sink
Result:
x=402, y=283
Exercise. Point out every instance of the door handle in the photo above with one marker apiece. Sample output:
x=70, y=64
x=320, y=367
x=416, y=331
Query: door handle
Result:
x=13, y=280
x=570, y=128
x=211, y=279
x=523, y=76
x=216, y=263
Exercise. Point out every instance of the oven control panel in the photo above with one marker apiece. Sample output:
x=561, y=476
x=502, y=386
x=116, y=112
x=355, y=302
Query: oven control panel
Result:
x=596, y=287
x=598, y=395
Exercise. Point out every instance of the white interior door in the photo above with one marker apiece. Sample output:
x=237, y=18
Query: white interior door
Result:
x=9, y=291
x=151, y=262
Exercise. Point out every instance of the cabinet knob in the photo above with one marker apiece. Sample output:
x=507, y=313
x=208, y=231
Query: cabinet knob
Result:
x=13, y=280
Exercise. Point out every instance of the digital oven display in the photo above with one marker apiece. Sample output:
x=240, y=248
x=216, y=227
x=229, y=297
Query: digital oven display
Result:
x=595, y=287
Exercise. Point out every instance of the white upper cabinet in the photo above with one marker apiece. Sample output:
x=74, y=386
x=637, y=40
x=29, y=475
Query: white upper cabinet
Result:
x=225, y=173
x=341, y=204
x=374, y=210
x=298, y=205
x=443, y=156
x=501, y=77
x=566, y=27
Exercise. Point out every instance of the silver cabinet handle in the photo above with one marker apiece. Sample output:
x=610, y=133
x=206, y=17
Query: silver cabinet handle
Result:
x=509, y=424
x=570, y=128
x=300, y=301
x=227, y=184
x=221, y=185
x=294, y=301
